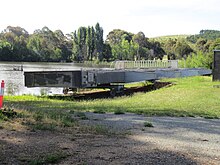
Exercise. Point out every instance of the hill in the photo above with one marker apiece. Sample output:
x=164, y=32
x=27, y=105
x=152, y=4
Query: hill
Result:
x=165, y=38
x=205, y=34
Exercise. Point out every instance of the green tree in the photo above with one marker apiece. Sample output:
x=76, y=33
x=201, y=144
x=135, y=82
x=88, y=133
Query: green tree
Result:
x=99, y=43
x=6, y=50
x=196, y=60
x=200, y=44
x=107, y=52
x=169, y=48
x=157, y=50
x=142, y=45
x=182, y=49
x=75, y=49
x=82, y=43
x=115, y=37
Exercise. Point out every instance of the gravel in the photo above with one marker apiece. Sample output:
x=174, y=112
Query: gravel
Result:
x=195, y=138
x=171, y=141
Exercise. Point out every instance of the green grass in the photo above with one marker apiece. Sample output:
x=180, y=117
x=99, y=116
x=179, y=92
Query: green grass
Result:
x=192, y=96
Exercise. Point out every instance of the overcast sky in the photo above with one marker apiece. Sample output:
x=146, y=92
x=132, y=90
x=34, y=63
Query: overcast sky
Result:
x=153, y=17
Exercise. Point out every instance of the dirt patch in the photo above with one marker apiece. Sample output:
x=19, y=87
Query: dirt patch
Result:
x=91, y=94
x=115, y=139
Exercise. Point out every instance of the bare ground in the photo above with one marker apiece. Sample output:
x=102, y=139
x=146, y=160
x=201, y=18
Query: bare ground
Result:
x=118, y=139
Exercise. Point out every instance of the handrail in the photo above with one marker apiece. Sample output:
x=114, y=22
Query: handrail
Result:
x=144, y=64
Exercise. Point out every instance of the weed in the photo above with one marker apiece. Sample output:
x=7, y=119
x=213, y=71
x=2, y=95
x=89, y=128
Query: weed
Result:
x=99, y=111
x=211, y=117
x=148, y=124
x=8, y=112
x=119, y=112
x=81, y=115
x=43, y=126
x=2, y=117
x=55, y=158
x=99, y=129
x=191, y=115
x=36, y=162
x=71, y=112
x=38, y=116
x=49, y=159
x=139, y=112
x=68, y=121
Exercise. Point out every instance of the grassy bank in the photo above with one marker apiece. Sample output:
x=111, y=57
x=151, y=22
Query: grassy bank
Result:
x=192, y=96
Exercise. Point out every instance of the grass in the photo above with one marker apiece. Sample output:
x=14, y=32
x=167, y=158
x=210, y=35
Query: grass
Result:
x=192, y=96
x=99, y=111
x=51, y=158
x=81, y=115
x=119, y=112
x=165, y=38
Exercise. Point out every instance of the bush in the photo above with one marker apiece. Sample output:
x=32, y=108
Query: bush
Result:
x=199, y=60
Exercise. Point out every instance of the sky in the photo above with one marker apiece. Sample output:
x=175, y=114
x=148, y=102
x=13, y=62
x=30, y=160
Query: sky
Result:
x=153, y=17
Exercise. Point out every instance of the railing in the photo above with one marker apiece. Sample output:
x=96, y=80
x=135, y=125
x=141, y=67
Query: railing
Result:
x=146, y=64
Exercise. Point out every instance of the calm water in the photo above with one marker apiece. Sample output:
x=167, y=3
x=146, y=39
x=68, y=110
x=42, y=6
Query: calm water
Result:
x=13, y=75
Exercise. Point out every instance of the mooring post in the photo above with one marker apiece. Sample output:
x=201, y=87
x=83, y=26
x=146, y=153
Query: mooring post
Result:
x=216, y=66
x=2, y=93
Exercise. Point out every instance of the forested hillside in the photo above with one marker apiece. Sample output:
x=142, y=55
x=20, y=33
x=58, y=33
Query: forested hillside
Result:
x=204, y=34
x=88, y=44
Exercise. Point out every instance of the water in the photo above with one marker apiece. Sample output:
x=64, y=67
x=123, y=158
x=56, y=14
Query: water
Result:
x=13, y=75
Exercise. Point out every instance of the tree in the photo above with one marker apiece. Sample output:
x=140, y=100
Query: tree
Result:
x=82, y=43
x=90, y=42
x=75, y=49
x=169, y=48
x=99, y=41
x=142, y=46
x=200, y=43
x=205, y=34
x=116, y=36
x=64, y=44
x=93, y=39
x=107, y=52
x=6, y=50
x=157, y=50
x=196, y=60
x=17, y=37
x=182, y=49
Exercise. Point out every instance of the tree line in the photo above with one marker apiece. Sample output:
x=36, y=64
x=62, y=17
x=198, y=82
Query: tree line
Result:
x=88, y=44
x=84, y=44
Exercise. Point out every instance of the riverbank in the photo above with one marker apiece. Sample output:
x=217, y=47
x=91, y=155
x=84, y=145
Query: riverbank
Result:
x=121, y=130
x=192, y=96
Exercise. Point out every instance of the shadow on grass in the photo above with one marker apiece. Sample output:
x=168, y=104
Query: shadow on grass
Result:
x=106, y=94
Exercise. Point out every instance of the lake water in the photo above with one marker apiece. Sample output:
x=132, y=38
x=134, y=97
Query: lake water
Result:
x=13, y=75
